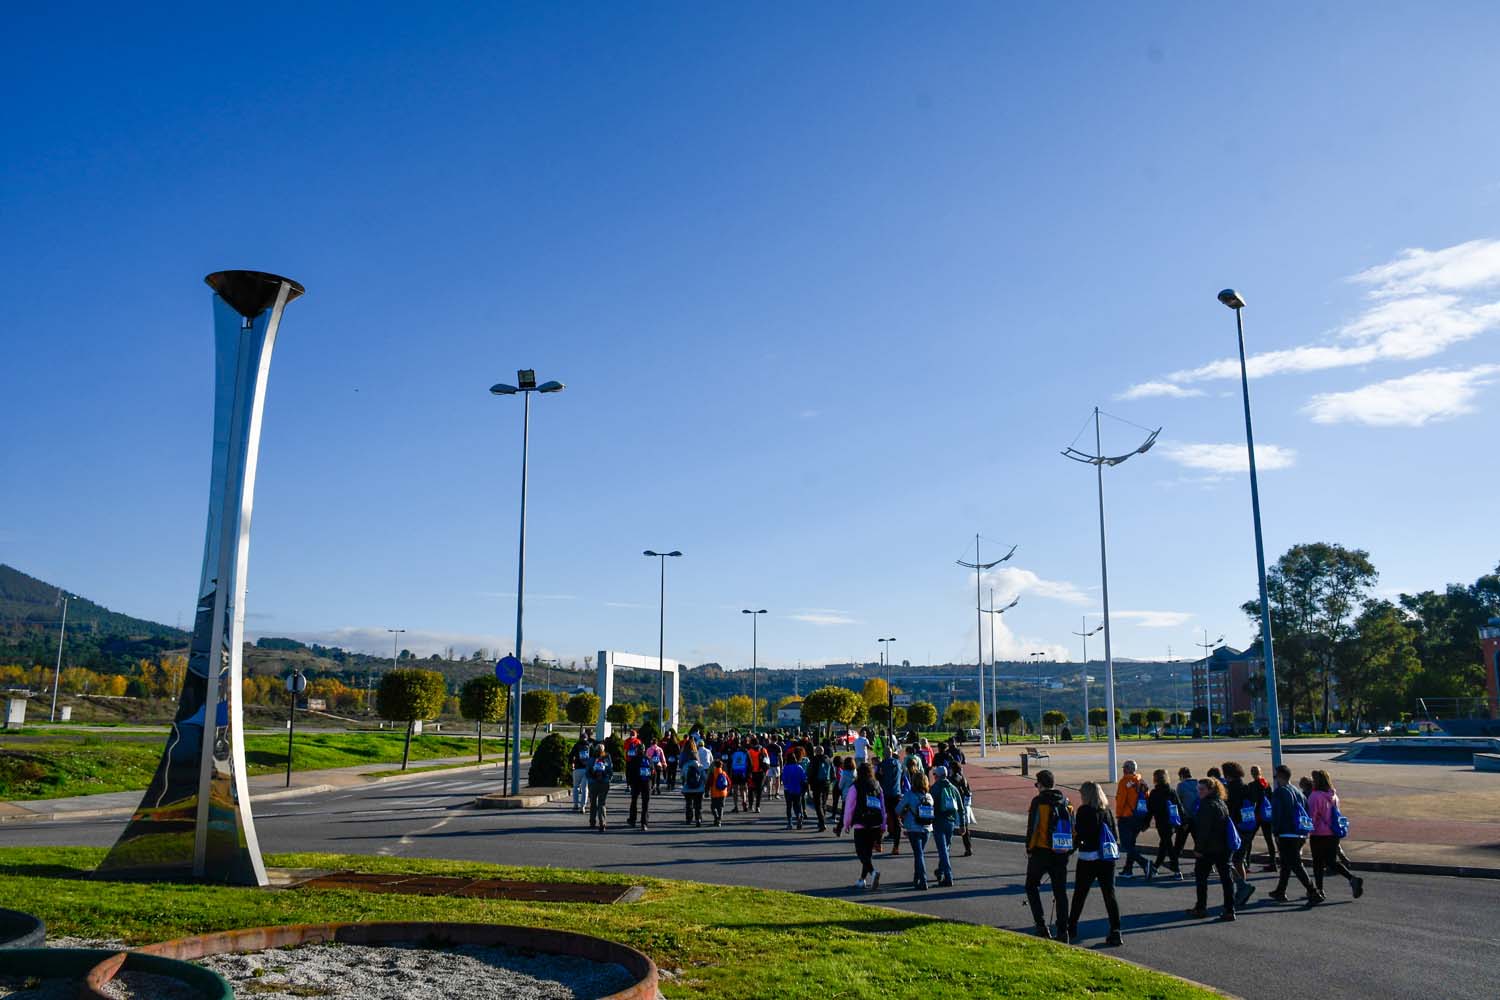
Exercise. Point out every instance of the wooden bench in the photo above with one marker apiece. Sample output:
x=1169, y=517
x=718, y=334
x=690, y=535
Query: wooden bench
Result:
x=1036, y=754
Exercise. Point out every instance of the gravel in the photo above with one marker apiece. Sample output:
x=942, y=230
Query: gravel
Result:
x=401, y=972
x=23, y=988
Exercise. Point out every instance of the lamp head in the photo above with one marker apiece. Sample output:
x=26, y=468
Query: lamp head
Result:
x=1232, y=299
x=501, y=389
x=674, y=553
x=526, y=378
x=648, y=552
x=553, y=386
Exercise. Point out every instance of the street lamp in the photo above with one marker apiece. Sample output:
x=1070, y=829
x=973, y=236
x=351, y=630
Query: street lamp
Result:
x=1099, y=460
x=754, y=659
x=1208, y=677
x=979, y=566
x=57, y=674
x=525, y=385
x=1235, y=301
x=994, y=613
x=890, y=694
x=1038, y=662
x=661, y=639
x=1084, y=635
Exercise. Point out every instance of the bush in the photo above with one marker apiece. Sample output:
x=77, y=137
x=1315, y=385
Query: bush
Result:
x=549, y=763
x=615, y=747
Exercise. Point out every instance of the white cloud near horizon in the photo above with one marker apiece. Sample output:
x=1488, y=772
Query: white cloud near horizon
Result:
x=1222, y=459
x=1421, y=304
x=1013, y=581
x=824, y=616
x=1155, y=619
x=1148, y=390
x=1411, y=401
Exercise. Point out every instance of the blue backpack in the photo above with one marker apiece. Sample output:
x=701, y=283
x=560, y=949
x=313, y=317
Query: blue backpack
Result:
x=1141, y=808
x=1337, y=821
x=1233, y=838
x=1109, y=847
x=1304, y=821
x=1174, y=816
x=1062, y=832
x=1265, y=807
x=1247, y=820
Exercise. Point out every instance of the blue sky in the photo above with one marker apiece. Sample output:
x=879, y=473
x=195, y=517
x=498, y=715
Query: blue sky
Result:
x=830, y=289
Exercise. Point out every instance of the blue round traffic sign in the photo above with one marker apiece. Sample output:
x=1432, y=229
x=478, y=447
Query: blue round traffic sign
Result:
x=507, y=669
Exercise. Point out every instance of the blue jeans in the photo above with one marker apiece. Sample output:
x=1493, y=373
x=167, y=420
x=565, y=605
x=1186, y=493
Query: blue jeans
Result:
x=918, y=842
x=942, y=835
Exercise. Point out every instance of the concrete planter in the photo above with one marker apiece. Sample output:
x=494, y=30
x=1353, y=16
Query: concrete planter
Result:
x=92, y=968
x=535, y=939
x=21, y=930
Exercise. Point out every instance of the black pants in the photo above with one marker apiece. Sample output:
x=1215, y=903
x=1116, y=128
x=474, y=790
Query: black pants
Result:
x=820, y=803
x=794, y=808
x=671, y=774
x=865, y=839
x=1201, y=870
x=1265, y=829
x=1047, y=864
x=757, y=785
x=598, y=792
x=1164, y=849
x=640, y=793
x=1289, y=852
x=1180, y=841
x=1087, y=873
x=1325, y=852
x=716, y=806
x=694, y=801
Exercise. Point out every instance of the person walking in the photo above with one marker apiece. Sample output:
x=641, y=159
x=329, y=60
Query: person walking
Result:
x=948, y=819
x=890, y=787
x=718, y=790
x=794, y=786
x=601, y=772
x=1292, y=823
x=1214, y=840
x=581, y=756
x=671, y=751
x=819, y=777
x=739, y=777
x=1097, y=838
x=757, y=783
x=863, y=813
x=774, y=764
x=1187, y=798
x=694, y=784
x=1263, y=818
x=1166, y=812
x=917, y=812
x=1242, y=800
x=966, y=832
x=1133, y=813
x=1329, y=827
x=1049, y=842
x=638, y=778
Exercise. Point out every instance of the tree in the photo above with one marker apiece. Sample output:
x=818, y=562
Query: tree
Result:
x=1242, y=721
x=922, y=715
x=717, y=711
x=1098, y=719
x=538, y=707
x=483, y=699
x=1155, y=716
x=1137, y=718
x=410, y=695
x=620, y=714
x=1054, y=718
x=831, y=704
x=582, y=709
x=1379, y=672
x=875, y=692
x=1005, y=718
x=962, y=714
x=740, y=709
x=1447, y=637
x=549, y=759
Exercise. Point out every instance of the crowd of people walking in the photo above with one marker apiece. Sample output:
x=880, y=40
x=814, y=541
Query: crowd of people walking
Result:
x=883, y=793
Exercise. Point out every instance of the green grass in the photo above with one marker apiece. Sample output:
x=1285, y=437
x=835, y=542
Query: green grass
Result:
x=91, y=763
x=711, y=941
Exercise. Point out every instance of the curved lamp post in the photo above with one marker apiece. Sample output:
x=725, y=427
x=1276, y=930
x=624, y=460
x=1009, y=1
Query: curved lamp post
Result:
x=661, y=638
x=1084, y=635
x=994, y=613
x=979, y=566
x=754, y=660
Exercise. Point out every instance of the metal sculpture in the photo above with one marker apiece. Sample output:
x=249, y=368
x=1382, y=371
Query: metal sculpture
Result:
x=195, y=821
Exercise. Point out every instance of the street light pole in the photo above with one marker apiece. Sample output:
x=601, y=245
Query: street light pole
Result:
x=754, y=661
x=1208, y=677
x=661, y=643
x=57, y=674
x=1084, y=635
x=525, y=385
x=1038, y=663
x=890, y=693
x=1235, y=301
x=1099, y=460
x=979, y=566
x=993, y=612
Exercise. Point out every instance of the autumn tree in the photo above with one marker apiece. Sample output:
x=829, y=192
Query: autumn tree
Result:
x=538, y=707
x=483, y=699
x=962, y=714
x=410, y=696
x=922, y=715
x=1054, y=719
x=831, y=704
x=582, y=709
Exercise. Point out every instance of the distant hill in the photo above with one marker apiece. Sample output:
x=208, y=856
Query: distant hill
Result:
x=27, y=601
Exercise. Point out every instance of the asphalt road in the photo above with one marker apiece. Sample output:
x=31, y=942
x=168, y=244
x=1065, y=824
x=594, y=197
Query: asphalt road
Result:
x=1409, y=936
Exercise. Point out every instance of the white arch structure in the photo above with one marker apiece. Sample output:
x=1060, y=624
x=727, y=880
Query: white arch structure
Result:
x=604, y=685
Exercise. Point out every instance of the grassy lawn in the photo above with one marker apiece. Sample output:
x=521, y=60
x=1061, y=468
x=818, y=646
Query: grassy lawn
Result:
x=711, y=941
x=89, y=764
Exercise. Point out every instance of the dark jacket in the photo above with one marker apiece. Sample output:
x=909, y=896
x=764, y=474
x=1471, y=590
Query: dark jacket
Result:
x=597, y=777
x=1210, y=829
x=889, y=776
x=1157, y=801
x=1086, y=827
x=1240, y=793
x=1039, y=819
x=1284, y=803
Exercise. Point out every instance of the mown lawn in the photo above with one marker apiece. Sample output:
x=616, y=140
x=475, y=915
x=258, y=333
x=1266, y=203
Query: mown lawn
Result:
x=710, y=941
x=89, y=764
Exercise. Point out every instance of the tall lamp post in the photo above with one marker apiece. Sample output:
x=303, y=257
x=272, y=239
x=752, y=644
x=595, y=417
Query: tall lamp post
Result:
x=1036, y=659
x=1234, y=300
x=57, y=674
x=890, y=694
x=994, y=613
x=979, y=566
x=1084, y=635
x=754, y=660
x=1208, y=679
x=395, y=640
x=1099, y=460
x=661, y=642
x=525, y=385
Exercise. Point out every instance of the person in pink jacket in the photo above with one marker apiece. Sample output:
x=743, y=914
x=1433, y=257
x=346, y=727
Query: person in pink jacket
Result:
x=864, y=813
x=1321, y=806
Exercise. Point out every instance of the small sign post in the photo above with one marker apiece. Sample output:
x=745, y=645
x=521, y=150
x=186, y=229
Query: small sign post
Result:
x=296, y=683
x=508, y=672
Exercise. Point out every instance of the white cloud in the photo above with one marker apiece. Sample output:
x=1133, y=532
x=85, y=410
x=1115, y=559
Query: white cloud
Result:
x=1421, y=304
x=377, y=641
x=623, y=604
x=824, y=616
x=1012, y=581
x=1146, y=390
x=1155, y=619
x=1434, y=394
x=1222, y=459
x=511, y=595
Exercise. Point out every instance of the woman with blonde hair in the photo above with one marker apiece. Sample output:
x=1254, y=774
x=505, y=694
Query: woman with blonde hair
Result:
x=1213, y=844
x=1098, y=841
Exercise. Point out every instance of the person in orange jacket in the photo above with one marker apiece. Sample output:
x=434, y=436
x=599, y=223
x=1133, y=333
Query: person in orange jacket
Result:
x=718, y=791
x=1133, y=815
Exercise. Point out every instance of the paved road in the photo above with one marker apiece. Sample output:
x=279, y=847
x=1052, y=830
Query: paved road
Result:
x=1408, y=937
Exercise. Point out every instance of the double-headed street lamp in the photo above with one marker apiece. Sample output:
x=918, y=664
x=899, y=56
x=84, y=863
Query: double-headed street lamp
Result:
x=890, y=694
x=1208, y=679
x=661, y=639
x=57, y=674
x=1235, y=301
x=754, y=660
x=1036, y=658
x=979, y=566
x=1099, y=460
x=1084, y=635
x=525, y=385
x=994, y=613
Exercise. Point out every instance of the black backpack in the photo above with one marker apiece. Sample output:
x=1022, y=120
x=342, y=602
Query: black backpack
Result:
x=867, y=807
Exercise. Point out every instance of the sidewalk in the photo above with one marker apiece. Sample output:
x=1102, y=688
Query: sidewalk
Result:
x=263, y=788
x=1394, y=844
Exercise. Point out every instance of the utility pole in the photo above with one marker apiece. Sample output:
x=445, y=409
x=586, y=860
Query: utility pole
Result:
x=57, y=674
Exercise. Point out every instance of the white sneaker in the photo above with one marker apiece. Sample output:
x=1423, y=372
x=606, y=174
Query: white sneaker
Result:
x=874, y=880
x=859, y=886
